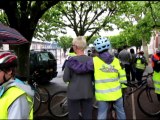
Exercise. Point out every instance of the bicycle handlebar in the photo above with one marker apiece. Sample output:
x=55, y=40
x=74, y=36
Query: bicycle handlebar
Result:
x=142, y=82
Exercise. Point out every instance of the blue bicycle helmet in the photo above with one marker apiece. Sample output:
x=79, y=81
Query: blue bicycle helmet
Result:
x=101, y=44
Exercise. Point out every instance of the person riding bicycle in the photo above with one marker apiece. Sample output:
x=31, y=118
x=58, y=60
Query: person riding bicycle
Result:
x=140, y=65
x=107, y=74
x=16, y=97
x=156, y=75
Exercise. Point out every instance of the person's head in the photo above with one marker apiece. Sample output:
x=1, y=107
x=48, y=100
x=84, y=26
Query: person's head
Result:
x=132, y=51
x=79, y=43
x=119, y=50
x=102, y=44
x=141, y=53
x=158, y=51
x=8, y=64
x=125, y=47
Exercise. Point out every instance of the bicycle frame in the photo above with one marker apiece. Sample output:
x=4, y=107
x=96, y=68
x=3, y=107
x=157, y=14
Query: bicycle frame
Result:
x=111, y=114
x=41, y=94
x=135, y=87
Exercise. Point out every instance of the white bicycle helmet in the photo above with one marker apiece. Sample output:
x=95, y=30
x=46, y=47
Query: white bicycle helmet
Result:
x=7, y=60
x=101, y=44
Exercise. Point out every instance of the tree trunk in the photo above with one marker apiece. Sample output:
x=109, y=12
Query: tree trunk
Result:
x=145, y=49
x=22, y=51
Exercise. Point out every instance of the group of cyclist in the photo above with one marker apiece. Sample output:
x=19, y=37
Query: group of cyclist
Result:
x=134, y=64
x=108, y=76
x=100, y=76
x=109, y=71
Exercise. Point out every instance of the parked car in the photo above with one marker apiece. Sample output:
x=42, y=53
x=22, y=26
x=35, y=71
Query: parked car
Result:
x=44, y=63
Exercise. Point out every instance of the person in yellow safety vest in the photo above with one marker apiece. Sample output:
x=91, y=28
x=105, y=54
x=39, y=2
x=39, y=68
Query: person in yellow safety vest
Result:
x=156, y=72
x=140, y=65
x=16, y=97
x=107, y=74
x=70, y=54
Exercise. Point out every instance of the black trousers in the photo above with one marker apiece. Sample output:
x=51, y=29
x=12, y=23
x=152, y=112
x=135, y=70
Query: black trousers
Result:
x=82, y=105
x=139, y=74
x=133, y=72
x=128, y=71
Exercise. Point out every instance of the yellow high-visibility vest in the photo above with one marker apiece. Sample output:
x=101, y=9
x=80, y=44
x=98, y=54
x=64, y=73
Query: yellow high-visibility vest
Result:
x=139, y=65
x=8, y=98
x=72, y=54
x=156, y=81
x=107, y=84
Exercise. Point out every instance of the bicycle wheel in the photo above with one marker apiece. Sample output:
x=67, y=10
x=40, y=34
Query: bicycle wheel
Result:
x=44, y=93
x=148, y=102
x=58, y=105
x=37, y=102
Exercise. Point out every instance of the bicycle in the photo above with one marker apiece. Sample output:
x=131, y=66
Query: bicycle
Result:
x=41, y=94
x=146, y=91
x=58, y=105
x=152, y=101
x=132, y=87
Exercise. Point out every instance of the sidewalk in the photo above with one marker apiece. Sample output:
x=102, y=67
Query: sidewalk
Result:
x=149, y=68
x=59, y=79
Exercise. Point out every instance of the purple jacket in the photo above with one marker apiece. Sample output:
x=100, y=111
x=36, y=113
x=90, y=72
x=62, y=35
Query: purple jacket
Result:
x=79, y=67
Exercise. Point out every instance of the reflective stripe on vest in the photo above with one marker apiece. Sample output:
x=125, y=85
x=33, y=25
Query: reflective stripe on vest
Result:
x=156, y=81
x=107, y=84
x=123, y=78
x=107, y=80
x=139, y=65
x=8, y=98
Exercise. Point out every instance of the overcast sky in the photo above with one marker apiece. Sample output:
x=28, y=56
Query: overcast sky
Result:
x=71, y=33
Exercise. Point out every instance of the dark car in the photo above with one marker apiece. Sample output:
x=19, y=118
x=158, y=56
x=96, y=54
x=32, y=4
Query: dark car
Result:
x=44, y=63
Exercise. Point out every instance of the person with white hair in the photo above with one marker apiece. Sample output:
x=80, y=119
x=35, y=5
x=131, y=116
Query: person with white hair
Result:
x=80, y=91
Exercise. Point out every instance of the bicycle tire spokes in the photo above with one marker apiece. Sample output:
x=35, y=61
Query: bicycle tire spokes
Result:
x=58, y=105
x=44, y=94
x=111, y=114
x=149, y=96
x=149, y=106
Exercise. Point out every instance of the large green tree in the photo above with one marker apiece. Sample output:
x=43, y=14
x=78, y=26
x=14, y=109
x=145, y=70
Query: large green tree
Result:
x=144, y=17
x=83, y=17
x=24, y=17
x=65, y=42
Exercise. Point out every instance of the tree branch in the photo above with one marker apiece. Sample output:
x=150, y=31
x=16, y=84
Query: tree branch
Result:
x=152, y=14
